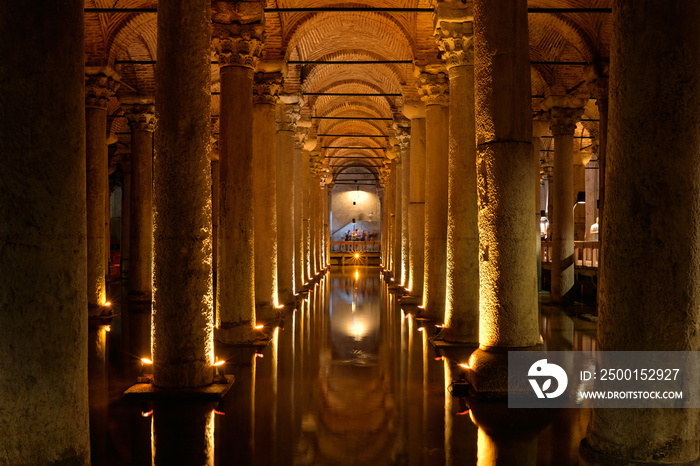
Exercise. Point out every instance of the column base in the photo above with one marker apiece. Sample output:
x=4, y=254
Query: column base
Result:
x=590, y=457
x=488, y=370
x=149, y=392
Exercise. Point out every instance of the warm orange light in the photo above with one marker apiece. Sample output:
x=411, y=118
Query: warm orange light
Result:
x=259, y=327
x=146, y=413
x=440, y=325
x=463, y=413
x=220, y=413
x=280, y=306
x=108, y=328
x=357, y=255
x=420, y=329
x=146, y=361
x=439, y=358
x=259, y=355
x=357, y=275
x=108, y=304
x=219, y=363
x=464, y=366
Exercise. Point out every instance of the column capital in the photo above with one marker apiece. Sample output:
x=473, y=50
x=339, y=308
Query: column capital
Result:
x=403, y=135
x=433, y=88
x=289, y=112
x=100, y=84
x=454, y=32
x=238, y=44
x=267, y=87
x=300, y=136
x=563, y=120
x=597, y=77
x=141, y=117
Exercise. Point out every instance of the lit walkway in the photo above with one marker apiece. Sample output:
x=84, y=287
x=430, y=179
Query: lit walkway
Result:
x=347, y=381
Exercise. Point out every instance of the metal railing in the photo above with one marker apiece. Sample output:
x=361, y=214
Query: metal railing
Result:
x=355, y=246
x=586, y=253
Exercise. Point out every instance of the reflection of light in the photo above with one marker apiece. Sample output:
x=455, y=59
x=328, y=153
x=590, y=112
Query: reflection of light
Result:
x=357, y=329
x=357, y=274
x=146, y=361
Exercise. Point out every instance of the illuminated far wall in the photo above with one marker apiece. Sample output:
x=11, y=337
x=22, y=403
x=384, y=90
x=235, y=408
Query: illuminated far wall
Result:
x=366, y=210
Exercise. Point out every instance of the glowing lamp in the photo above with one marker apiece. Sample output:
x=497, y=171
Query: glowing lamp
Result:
x=146, y=361
x=259, y=327
x=464, y=366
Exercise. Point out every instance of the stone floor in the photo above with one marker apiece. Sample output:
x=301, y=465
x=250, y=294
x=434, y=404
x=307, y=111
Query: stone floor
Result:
x=349, y=380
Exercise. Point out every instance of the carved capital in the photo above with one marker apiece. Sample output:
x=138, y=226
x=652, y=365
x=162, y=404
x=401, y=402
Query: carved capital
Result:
x=433, y=89
x=563, y=120
x=238, y=44
x=287, y=116
x=403, y=135
x=141, y=117
x=300, y=137
x=267, y=87
x=100, y=85
x=456, y=42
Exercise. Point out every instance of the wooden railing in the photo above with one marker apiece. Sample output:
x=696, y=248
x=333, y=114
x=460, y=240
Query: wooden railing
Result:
x=586, y=253
x=355, y=246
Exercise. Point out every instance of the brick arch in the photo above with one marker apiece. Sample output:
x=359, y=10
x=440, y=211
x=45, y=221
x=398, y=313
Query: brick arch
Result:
x=313, y=36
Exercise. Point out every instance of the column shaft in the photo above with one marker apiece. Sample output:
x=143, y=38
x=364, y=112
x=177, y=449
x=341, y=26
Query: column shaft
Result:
x=416, y=207
x=299, y=278
x=306, y=212
x=651, y=201
x=436, y=168
x=142, y=123
x=396, y=245
x=462, y=290
x=508, y=315
x=264, y=193
x=403, y=134
x=183, y=346
x=43, y=290
x=287, y=116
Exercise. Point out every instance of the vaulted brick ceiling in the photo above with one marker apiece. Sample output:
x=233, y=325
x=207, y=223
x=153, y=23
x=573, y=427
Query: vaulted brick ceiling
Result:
x=116, y=38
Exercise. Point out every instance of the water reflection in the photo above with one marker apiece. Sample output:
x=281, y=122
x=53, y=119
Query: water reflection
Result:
x=349, y=380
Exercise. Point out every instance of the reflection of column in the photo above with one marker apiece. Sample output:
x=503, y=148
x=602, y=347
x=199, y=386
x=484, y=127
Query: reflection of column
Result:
x=98, y=392
x=238, y=48
x=508, y=291
x=141, y=119
x=265, y=92
x=287, y=115
x=650, y=202
x=43, y=322
x=99, y=86
x=183, y=346
x=416, y=201
x=434, y=92
x=563, y=123
x=183, y=433
x=235, y=431
x=505, y=450
x=454, y=33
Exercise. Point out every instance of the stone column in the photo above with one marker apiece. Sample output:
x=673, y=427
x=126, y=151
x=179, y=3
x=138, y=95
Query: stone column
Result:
x=403, y=134
x=563, y=123
x=415, y=111
x=265, y=96
x=508, y=316
x=591, y=195
x=396, y=222
x=305, y=215
x=100, y=84
x=43, y=285
x=142, y=121
x=298, y=174
x=434, y=90
x=328, y=199
x=126, y=217
x=238, y=48
x=454, y=34
x=287, y=115
x=651, y=202
x=182, y=342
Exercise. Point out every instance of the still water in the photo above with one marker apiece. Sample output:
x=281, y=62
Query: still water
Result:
x=348, y=380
